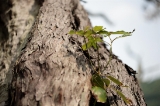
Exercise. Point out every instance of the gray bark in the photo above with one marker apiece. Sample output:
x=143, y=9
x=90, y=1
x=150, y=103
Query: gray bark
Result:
x=52, y=70
x=16, y=19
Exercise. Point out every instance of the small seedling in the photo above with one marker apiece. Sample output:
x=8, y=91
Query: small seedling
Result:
x=92, y=36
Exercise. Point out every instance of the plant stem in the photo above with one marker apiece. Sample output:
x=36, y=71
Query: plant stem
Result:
x=98, y=58
x=94, y=103
x=89, y=55
x=110, y=57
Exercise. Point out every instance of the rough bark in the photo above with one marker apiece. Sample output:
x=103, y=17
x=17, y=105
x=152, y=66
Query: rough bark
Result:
x=16, y=19
x=52, y=70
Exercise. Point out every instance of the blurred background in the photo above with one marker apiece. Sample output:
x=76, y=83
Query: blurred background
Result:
x=141, y=51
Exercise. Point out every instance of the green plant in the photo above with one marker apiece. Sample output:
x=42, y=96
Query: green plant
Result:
x=92, y=36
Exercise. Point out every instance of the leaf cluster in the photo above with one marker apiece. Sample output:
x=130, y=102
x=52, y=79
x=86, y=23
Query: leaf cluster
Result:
x=100, y=84
x=92, y=37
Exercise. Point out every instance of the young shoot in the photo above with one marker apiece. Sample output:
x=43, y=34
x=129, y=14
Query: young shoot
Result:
x=92, y=36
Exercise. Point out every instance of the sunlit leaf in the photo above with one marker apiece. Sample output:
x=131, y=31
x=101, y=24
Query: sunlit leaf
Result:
x=84, y=47
x=90, y=38
x=97, y=28
x=94, y=44
x=103, y=32
x=94, y=41
x=98, y=39
x=97, y=81
x=116, y=81
x=72, y=32
x=99, y=94
x=88, y=33
x=122, y=96
x=87, y=45
x=107, y=82
x=80, y=32
x=121, y=32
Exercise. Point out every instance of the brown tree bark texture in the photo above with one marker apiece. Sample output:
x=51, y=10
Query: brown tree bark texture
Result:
x=16, y=19
x=52, y=70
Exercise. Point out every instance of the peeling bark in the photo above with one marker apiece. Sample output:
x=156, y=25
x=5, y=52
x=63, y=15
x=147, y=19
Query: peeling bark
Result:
x=52, y=70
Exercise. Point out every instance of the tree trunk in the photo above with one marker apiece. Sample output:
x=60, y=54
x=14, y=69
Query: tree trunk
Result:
x=51, y=69
x=16, y=20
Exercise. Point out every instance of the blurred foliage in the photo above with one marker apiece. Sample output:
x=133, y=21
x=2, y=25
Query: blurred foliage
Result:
x=151, y=92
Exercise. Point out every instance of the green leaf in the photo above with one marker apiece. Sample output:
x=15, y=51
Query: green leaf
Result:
x=107, y=82
x=94, y=41
x=88, y=33
x=116, y=81
x=97, y=28
x=103, y=32
x=90, y=38
x=121, y=32
x=87, y=45
x=122, y=96
x=98, y=39
x=97, y=81
x=72, y=32
x=94, y=44
x=80, y=32
x=99, y=94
